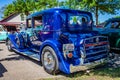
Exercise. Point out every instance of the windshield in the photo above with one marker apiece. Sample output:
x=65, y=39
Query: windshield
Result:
x=113, y=24
x=76, y=21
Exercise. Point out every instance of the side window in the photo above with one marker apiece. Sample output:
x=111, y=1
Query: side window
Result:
x=115, y=25
x=38, y=22
x=109, y=25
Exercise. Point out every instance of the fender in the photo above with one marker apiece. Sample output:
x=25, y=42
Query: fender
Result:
x=12, y=39
x=63, y=65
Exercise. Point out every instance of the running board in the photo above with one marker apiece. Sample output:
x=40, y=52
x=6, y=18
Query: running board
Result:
x=30, y=54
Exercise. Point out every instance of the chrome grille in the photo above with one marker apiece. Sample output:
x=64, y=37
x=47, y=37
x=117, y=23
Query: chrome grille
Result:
x=95, y=48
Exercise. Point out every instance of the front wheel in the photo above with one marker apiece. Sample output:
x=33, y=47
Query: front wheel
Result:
x=49, y=60
x=9, y=45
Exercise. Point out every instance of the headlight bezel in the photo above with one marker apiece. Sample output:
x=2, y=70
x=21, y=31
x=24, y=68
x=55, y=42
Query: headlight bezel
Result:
x=68, y=47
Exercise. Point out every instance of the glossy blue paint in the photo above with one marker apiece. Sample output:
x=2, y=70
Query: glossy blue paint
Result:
x=63, y=65
x=59, y=28
x=12, y=39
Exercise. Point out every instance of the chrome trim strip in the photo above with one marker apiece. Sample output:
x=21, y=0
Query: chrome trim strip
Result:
x=96, y=57
x=96, y=52
x=97, y=47
x=96, y=37
x=115, y=48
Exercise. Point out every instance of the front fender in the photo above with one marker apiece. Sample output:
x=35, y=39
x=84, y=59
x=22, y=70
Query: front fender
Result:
x=63, y=65
x=12, y=38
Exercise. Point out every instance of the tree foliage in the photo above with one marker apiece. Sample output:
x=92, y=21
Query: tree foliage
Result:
x=100, y=6
x=96, y=6
x=9, y=9
x=28, y=6
x=42, y=4
x=72, y=4
x=24, y=6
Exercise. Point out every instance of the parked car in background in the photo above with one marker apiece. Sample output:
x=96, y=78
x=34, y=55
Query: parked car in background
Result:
x=3, y=33
x=112, y=30
x=30, y=31
x=64, y=42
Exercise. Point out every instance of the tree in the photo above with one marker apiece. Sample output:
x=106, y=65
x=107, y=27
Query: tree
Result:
x=28, y=6
x=100, y=6
x=117, y=17
x=42, y=4
x=72, y=4
x=24, y=6
x=9, y=9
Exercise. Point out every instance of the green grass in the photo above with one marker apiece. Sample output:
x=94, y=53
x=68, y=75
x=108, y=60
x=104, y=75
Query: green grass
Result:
x=103, y=73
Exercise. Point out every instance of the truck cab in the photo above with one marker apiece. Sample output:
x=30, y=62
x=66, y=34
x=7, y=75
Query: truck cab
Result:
x=111, y=29
x=62, y=39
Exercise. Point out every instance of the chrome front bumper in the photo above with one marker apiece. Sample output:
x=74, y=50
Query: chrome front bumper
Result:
x=87, y=65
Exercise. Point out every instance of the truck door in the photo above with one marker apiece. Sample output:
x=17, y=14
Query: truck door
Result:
x=47, y=31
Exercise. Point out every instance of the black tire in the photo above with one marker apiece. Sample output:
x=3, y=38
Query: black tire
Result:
x=50, y=63
x=9, y=45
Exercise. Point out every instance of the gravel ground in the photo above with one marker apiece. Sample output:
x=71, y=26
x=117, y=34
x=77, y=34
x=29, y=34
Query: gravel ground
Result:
x=14, y=66
x=18, y=67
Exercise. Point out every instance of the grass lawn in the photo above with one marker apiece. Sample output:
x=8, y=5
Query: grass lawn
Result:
x=101, y=73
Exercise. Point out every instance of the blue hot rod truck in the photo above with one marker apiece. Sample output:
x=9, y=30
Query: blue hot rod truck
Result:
x=62, y=39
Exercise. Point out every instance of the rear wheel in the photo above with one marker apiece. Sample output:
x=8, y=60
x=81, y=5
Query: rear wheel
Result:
x=49, y=60
x=9, y=45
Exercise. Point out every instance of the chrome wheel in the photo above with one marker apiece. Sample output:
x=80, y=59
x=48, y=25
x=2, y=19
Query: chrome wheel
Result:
x=9, y=45
x=49, y=60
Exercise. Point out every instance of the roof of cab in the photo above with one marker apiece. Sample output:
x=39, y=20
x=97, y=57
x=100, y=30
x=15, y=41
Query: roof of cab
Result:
x=52, y=10
x=113, y=19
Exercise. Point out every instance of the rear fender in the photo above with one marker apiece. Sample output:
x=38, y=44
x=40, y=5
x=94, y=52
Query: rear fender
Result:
x=63, y=65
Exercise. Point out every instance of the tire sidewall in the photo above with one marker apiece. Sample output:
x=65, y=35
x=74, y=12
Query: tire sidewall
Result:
x=9, y=45
x=49, y=49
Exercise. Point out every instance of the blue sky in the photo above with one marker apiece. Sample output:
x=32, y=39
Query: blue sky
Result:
x=102, y=18
x=3, y=3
